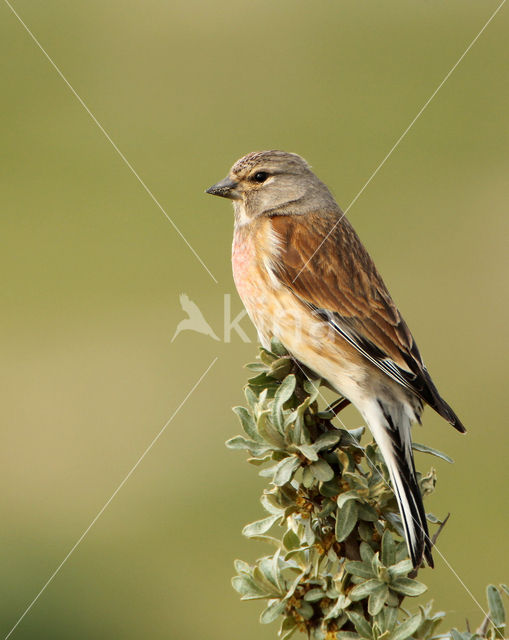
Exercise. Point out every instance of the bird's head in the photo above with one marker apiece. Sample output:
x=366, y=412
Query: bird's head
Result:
x=266, y=183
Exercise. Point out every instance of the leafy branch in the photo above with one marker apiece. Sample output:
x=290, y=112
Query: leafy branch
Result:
x=339, y=567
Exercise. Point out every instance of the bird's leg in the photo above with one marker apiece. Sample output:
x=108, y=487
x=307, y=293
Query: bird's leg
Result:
x=337, y=406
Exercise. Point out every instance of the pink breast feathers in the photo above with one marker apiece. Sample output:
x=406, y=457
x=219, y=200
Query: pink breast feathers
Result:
x=246, y=272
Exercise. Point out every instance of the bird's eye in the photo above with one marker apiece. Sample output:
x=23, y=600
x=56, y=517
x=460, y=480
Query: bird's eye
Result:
x=260, y=176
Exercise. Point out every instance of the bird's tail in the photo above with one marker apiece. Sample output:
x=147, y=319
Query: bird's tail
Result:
x=390, y=426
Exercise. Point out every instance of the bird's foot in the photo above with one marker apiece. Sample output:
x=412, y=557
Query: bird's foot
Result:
x=337, y=406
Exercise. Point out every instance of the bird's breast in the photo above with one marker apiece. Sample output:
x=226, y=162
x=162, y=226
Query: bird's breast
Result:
x=245, y=268
x=252, y=253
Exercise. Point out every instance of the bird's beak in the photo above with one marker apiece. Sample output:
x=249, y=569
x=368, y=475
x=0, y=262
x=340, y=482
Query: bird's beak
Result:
x=226, y=189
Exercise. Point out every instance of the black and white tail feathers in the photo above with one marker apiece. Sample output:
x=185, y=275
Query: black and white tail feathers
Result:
x=390, y=425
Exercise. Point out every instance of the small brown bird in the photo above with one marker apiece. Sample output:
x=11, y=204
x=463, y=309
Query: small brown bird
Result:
x=305, y=278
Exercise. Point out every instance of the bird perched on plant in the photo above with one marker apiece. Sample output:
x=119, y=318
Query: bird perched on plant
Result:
x=305, y=278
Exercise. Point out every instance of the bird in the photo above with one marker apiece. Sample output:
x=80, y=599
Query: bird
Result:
x=195, y=320
x=305, y=278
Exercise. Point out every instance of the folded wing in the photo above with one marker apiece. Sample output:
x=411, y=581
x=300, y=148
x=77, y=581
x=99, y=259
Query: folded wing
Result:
x=332, y=273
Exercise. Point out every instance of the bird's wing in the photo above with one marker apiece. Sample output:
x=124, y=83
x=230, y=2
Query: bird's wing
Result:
x=328, y=268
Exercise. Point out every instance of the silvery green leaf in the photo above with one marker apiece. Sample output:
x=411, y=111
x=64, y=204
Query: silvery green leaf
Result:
x=355, y=480
x=285, y=470
x=380, y=621
x=466, y=635
x=346, y=461
x=376, y=564
x=428, y=482
x=239, y=442
x=261, y=380
x=277, y=565
x=365, y=531
x=429, y=622
x=293, y=586
x=250, y=397
x=366, y=552
x=402, y=568
x=247, y=587
x=308, y=451
x=280, y=368
x=267, y=357
x=277, y=347
x=361, y=625
x=367, y=513
x=388, y=549
x=347, y=635
x=497, y=612
x=256, y=366
x=328, y=507
x=260, y=526
x=270, y=433
x=326, y=440
x=289, y=422
x=313, y=595
x=434, y=452
x=379, y=527
x=321, y=470
x=338, y=608
x=391, y=617
x=264, y=583
x=364, y=589
x=268, y=472
x=242, y=567
x=305, y=610
x=505, y=588
x=275, y=542
x=347, y=495
x=330, y=489
x=308, y=533
x=248, y=424
x=408, y=587
x=431, y=517
x=291, y=540
x=332, y=555
x=357, y=433
x=274, y=610
x=261, y=399
x=297, y=431
x=377, y=599
x=288, y=627
x=258, y=462
x=407, y=628
x=395, y=520
x=308, y=478
x=270, y=503
x=283, y=394
x=331, y=592
x=361, y=569
x=312, y=388
x=270, y=568
x=401, y=551
x=346, y=519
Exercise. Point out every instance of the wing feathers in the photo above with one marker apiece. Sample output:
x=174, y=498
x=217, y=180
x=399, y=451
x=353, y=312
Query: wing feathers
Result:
x=332, y=273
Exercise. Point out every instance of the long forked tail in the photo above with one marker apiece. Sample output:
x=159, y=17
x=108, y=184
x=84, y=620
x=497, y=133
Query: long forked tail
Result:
x=390, y=426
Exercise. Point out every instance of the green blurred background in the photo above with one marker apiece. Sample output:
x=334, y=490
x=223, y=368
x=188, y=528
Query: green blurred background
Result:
x=91, y=273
